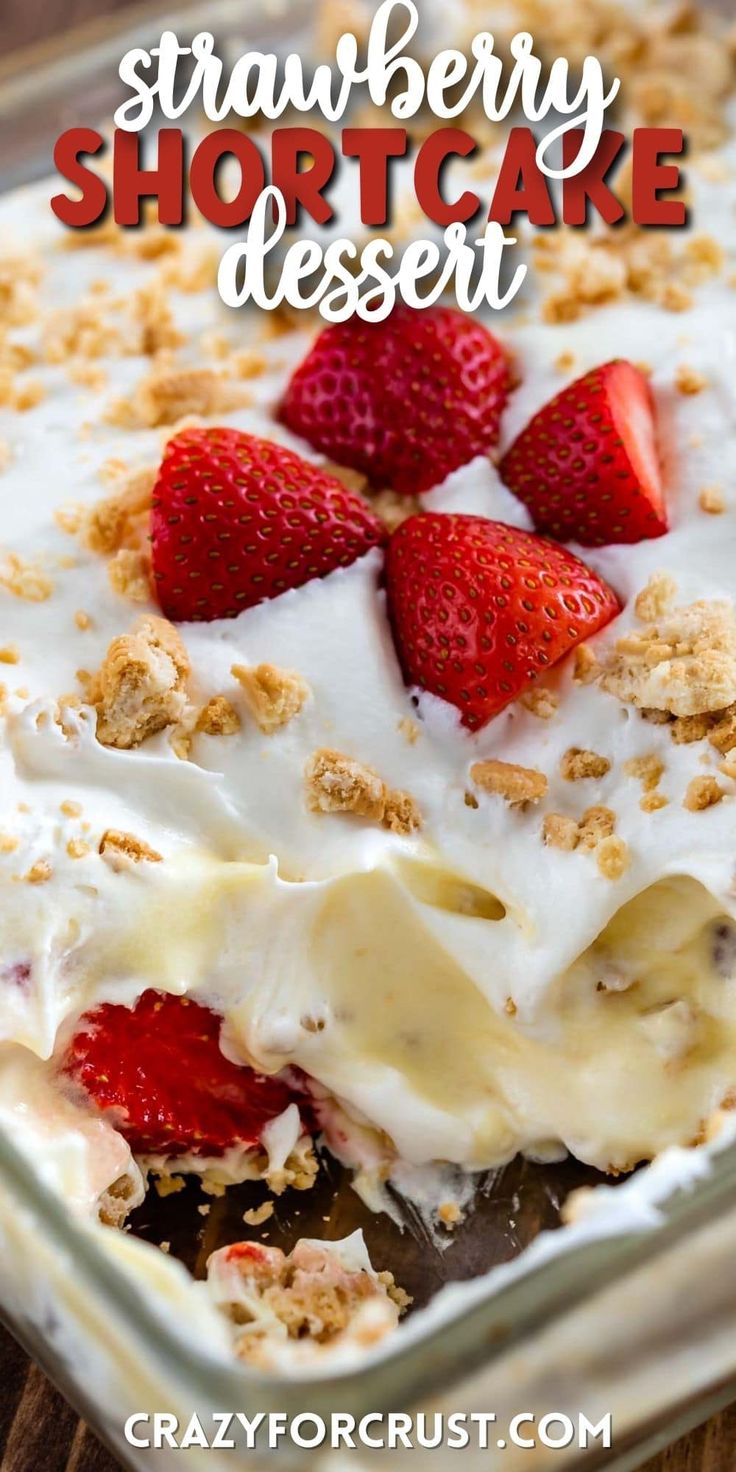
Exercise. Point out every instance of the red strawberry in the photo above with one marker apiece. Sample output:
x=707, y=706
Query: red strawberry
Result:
x=586, y=465
x=480, y=609
x=238, y=519
x=157, y=1068
x=406, y=400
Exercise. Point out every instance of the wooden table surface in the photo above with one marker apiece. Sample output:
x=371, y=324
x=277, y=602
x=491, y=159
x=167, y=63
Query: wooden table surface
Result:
x=39, y=1432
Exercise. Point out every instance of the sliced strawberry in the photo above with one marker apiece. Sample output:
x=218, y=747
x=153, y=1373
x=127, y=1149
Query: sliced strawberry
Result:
x=405, y=400
x=586, y=465
x=238, y=519
x=480, y=609
x=157, y=1069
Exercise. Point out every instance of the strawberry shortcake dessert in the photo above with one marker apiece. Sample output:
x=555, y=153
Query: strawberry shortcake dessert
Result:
x=368, y=728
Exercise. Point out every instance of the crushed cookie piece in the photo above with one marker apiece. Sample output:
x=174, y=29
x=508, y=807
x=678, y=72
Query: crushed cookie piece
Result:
x=401, y=813
x=559, y=831
x=586, y=668
x=69, y=518
x=712, y=501
x=8, y=843
x=218, y=717
x=684, y=664
x=167, y=394
x=70, y=809
x=338, y=784
x=392, y=507
x=470, y=800
x=25, y=579
x=651, y=802
x=655, y=600
x=309, y=1294
x=648, y=770
x=87, y=375
x=612, y=857
x=273, y=696
x=77, y=848
x=121, y=519
x=9, y=654
x=140, y=686
x=20, y=276
x=655, y=717
x=409, y=730
x=541, y=702
x=510, y=1007
x=115, y=846
x=353, y=480
x=596, y=824
x=129, y=573
x=686, y=729
x=702, y=793
x=578, y=765
x=722, y=734
x=565, y=362
x=258, y=1214
x=82, y=620
x=27, y=395
x=689, y=381
x=675, y=297
x=505, y=779
x=39, y=873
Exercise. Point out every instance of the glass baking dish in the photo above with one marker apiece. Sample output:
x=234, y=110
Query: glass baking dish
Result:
x=630, y=1311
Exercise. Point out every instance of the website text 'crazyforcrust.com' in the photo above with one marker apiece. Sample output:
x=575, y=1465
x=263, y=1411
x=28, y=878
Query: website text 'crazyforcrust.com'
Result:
x=226, y=1430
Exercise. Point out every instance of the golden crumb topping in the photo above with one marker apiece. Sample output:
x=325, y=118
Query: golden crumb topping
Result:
x=702, y=792
x=507, y=780
x=116, y=846
x=168, y=394
x=684, y=663
x=338, y=784
x=648, y=770
x=656, y=598
x=689, y=381
x=712, y=501
x=401, y=813
x=597, y=823
x=273, y=696
x=218, y=717
x=139, y=688
x=309, y=1292
x=541, y=702
x=560, y=831
x=578, y=765
x=586, y=668
x=612, y=857
x=25, y=579
x=121, y=519
x=129, y=573
x=392, y=507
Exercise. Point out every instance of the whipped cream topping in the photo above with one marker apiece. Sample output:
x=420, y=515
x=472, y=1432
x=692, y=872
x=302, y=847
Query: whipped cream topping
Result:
x=454, y=972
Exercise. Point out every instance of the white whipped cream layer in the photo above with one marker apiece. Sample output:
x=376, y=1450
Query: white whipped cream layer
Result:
x=275, y=914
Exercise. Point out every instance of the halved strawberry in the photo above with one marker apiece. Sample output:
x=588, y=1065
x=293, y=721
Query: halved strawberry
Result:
x=586, y=465
x=157, y=1070
x=480, y=609
x=405, y=400
x=238, y=519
